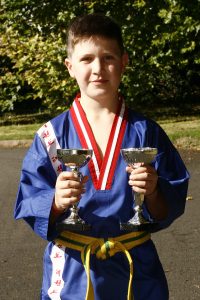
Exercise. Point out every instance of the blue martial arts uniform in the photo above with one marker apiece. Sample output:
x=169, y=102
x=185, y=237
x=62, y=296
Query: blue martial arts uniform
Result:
x=106, y=202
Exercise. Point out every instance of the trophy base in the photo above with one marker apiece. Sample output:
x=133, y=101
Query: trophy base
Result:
x=72, y=226
x=138, y=223
x=137, y=227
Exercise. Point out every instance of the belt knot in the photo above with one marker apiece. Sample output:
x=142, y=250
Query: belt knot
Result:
x=104, y=248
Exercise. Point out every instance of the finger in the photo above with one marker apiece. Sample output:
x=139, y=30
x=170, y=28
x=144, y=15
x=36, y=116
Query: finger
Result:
x=138, y=190
x=67, y=196
x=66, y=202
x=72, y=200
x=143, y=177
x=70, y=192
x=68, y=184
x=143, y=169
x=144, y=187
x=144, y=191
x=137, y=165
x=68, y=175
x=136, y=171
x=140, y=184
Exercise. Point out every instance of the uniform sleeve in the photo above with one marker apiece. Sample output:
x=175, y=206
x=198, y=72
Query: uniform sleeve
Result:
x=36, y=189
x=173, y=176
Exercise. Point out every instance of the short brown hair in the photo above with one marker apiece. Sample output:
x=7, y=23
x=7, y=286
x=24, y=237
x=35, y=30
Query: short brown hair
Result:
x=90, y=25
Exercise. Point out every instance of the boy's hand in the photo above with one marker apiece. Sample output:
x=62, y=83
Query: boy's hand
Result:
x=68, y=191
x=143, y=179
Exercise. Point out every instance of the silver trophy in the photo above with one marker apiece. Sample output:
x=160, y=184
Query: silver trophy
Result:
x=74, y=159
x=132, y=157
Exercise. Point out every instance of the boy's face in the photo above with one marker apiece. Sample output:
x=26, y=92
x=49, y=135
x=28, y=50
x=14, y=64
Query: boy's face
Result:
x=97, y=65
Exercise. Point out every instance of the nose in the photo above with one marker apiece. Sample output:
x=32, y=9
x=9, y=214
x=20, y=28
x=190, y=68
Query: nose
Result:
x=97, y=66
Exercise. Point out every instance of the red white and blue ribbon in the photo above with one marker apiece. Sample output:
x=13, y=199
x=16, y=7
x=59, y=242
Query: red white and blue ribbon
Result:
x=102, y=170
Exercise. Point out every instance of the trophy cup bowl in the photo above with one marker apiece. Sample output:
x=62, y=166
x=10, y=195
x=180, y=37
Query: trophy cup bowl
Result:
x=74, y=159
x=132, y=156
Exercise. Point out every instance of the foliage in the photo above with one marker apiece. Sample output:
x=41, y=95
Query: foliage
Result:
x=161, y=37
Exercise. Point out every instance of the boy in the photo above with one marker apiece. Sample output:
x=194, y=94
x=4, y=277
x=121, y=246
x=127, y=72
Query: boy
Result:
x=99, y=120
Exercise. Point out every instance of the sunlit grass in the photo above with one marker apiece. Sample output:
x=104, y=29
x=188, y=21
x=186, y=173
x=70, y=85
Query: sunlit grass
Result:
x=18, y=132
x=184, y=134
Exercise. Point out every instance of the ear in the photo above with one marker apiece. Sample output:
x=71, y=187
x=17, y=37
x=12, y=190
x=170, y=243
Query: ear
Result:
x=124, y=61
x=68, y=64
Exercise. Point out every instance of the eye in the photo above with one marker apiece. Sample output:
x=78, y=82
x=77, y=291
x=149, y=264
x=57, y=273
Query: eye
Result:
x=86, y=59
x=108, y=57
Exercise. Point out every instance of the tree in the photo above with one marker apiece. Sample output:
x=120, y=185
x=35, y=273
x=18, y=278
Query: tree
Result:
x=161, y=37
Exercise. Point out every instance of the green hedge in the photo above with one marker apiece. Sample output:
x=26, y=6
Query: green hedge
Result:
x=161, y=37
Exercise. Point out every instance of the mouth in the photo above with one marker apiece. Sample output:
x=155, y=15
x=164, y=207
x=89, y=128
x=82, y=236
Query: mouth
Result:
x=99, y=81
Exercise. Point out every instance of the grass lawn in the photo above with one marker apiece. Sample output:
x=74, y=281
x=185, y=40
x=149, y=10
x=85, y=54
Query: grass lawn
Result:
x=183, y=133
x=18, y=132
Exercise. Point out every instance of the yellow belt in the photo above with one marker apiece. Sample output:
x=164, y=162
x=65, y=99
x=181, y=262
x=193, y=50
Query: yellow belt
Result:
x=103, y=249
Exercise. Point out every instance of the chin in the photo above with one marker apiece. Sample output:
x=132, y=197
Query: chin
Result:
x=100, y=94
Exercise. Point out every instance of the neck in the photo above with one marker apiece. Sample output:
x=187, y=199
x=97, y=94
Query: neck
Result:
x=98, y=106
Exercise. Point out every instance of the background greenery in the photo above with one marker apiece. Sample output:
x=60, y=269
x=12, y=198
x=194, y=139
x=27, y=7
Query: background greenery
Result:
x=162, y=39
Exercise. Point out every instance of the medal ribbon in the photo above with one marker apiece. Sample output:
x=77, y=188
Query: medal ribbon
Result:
x=102, y=171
